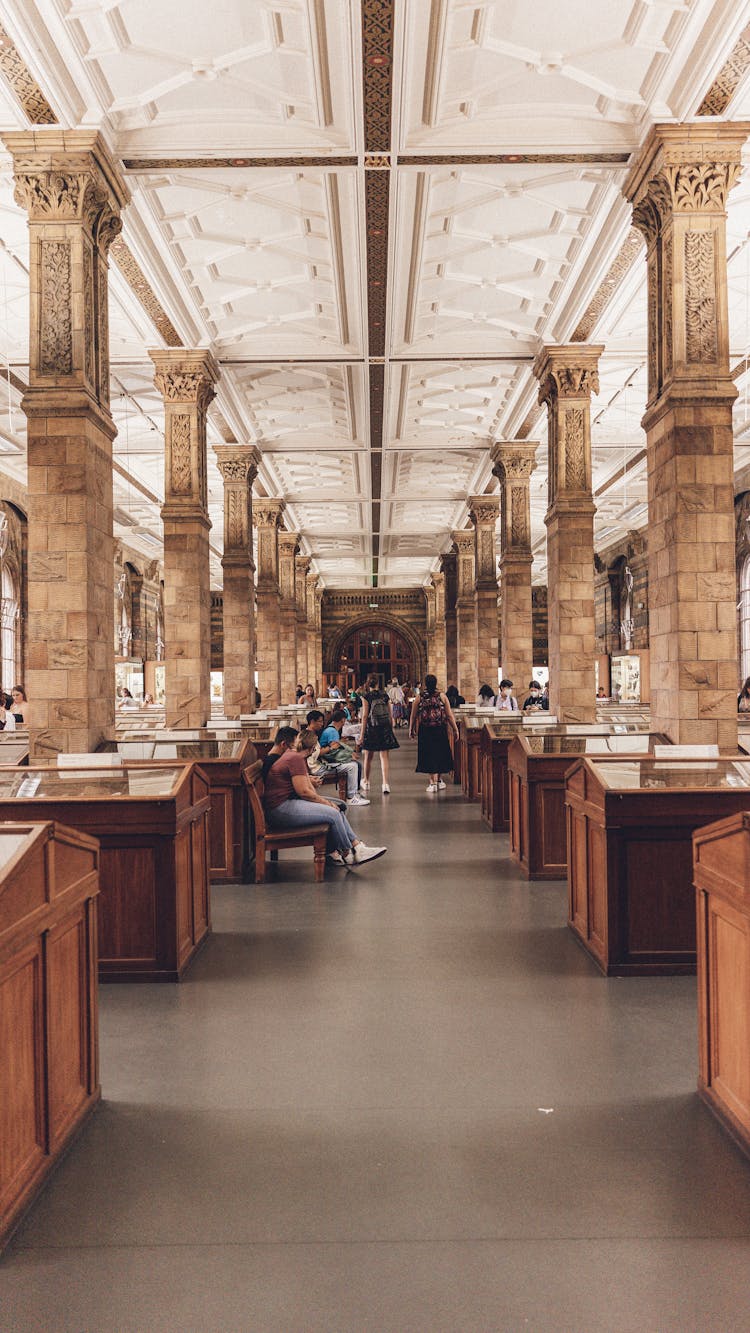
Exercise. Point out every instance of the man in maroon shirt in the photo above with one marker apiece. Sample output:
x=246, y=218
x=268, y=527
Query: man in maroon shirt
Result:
x=292, y=801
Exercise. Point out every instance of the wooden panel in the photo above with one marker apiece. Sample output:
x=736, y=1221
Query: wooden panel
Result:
x=183, y=893
x=127, y=913
x=220, y=831
x=598, y=907
x=200, y=879
x=550, y=809
x=515, y=815
x=729, y=1007
x=578, y=875
x=67, y=1037
x=22, y=1134
x=659, y=900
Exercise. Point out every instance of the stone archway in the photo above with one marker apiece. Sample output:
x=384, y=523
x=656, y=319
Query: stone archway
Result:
x=333, y=648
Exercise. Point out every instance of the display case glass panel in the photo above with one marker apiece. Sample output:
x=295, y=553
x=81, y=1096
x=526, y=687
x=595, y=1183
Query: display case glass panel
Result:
x=82, y=784
x=673, y=774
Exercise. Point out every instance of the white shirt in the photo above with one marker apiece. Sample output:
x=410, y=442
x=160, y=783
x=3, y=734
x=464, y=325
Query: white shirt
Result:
x=509, y=705
x=10, y=721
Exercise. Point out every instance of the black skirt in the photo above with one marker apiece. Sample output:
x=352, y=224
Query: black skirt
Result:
x=380, y=737
x=434, y=753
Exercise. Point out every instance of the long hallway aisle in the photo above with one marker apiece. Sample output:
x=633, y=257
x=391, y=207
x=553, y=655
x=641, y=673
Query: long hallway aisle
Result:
x=400, y=1100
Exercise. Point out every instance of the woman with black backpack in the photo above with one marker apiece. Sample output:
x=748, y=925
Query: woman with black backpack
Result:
x=377, y=735
x=431, y=715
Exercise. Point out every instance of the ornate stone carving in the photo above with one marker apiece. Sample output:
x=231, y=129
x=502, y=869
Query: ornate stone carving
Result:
x=56, y=333
x=626, y=256
x=569, y=382
x=179, y=386
x=89, y=312
x=235, y=520
x=519, y=516
x=483, y=511
x=267, y=513
x=575, y=457
x=513, y=462
x=180, y=469
x=139, y=284
x=700, y=297
x=24, y=85
x=667, y=284
x=725, y=84
x=653, y=323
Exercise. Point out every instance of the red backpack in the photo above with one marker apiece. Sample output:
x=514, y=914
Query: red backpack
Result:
x=431, y=711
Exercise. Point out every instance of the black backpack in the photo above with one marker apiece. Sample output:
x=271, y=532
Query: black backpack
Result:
x=379, y=714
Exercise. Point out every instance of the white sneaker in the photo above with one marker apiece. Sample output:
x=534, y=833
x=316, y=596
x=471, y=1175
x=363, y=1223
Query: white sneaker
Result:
x=386, y=789
x=335, y=859
x=362, y=853
x=431, y=786
x=349, y=857
x=364, y=786
x=441, y=785
x=356, y=799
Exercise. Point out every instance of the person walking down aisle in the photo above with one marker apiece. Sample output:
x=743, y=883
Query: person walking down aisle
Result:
x=376, y=736
x=431, y=715
x=292, y=801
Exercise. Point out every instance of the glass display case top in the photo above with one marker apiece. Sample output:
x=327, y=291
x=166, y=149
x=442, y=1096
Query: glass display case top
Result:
x=213, y=748
x=86, y=784
x=674, y=774
x=574, y=742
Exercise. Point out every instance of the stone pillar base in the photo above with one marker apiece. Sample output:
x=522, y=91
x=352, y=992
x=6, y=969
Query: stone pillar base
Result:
x=239, y=638
x=70, y=656
x=466, y=648
x=516, y=627
x=187, y=607
x=572, y=631
x=267, y=646
x=691, y=557
x=485, y=602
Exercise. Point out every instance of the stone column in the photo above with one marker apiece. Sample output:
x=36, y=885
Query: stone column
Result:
x=514, y=461
x=678, y=187
x=186, y=381
x=449, y=569
x=288, y=548
x=466, y=616
x=73, y=193
x=318, y=635
x=267, y=519
x=439, y=666
x=302, y=569
x=429, y=596
x=568, y=375
x=314, y=649
x=484, y=511
x=238, y=465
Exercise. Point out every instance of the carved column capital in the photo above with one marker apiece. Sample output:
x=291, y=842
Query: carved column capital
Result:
x=73, y=193
x=301, y=570
x=678, y=186
x=568, y=375
x=463, y=541
x=237, y=463
x=514, y=462
x=267, y=513
x=484, y=511
x=187, y=382
x=288, y=550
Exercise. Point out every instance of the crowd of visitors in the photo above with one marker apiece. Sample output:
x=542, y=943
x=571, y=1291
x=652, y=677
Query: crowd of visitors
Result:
x=14, y=708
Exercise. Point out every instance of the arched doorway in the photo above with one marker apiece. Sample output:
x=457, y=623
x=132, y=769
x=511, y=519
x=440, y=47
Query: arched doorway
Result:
x=386, y=647
x=377, y=649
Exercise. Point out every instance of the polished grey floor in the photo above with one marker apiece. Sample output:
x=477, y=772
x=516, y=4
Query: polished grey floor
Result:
x=401, y=1100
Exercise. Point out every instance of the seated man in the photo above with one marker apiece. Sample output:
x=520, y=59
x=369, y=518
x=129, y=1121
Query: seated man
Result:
x=282, y=741
x=291, y=801
x=323, y=758
x=505, y=701
x=535, y=701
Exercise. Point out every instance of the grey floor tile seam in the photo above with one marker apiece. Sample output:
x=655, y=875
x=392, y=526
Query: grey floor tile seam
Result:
x=352, y=1242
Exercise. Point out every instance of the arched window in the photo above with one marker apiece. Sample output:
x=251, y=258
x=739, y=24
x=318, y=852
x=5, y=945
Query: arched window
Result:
x=744, y=611
x=8, y=627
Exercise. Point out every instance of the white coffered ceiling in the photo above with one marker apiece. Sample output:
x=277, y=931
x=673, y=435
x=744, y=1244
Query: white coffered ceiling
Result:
x=243, y=130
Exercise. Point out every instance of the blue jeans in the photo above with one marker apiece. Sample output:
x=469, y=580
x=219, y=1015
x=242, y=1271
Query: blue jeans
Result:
x=300, y=814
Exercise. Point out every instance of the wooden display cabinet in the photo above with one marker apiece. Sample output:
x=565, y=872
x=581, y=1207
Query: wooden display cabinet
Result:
x=152, y=826
x=630, y=826
x=222, y=760
x=537, y=764
x=470, y=758
x=49, y=1067
x=494, y=743
x=721, y=868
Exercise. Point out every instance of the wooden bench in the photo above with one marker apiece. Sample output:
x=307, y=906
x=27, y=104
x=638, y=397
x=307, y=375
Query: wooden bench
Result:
x=272, y=841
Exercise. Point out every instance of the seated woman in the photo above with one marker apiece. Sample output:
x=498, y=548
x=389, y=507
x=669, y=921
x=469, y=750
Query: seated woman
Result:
x=486, y=697
x=292, y=801
x=20, y=707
